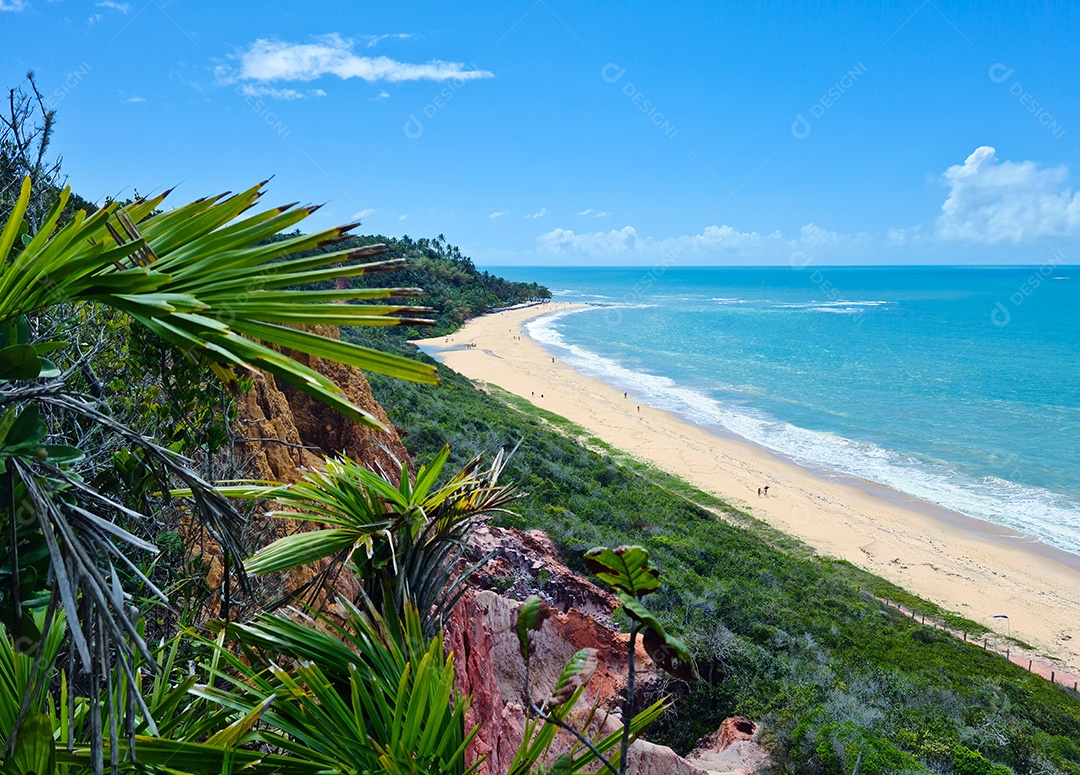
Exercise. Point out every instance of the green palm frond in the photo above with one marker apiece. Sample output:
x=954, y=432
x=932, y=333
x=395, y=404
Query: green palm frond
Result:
x=406, y=538
x=386, y=692
x=198, y=277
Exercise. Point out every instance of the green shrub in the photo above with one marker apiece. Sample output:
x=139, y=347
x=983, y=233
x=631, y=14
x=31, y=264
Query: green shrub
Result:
x=780, y=635
x=968, y=762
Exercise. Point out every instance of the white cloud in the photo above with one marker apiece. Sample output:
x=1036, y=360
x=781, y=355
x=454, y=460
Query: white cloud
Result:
x=382, y=95
x=136, y=98
x=602, y=213
x=373, y=40
x=586, y=212
x=713, y=239
x=123, y=8
x=363, y=213
x=497, y=214
x=815, y=237
x=993, y=201
x=13, y=5
x=275, y=60
x=247, y=90
x=594, y=213
x=403, y=217
x=542, y=212
x=597, y=243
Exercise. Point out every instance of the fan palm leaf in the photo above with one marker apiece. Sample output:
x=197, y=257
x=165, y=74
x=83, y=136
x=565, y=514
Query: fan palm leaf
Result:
x=198, y=278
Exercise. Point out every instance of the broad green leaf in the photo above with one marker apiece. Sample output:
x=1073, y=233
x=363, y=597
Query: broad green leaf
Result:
x=14, y=331
x=44, y=348
x=668, y=652
x=27, y=428
x=34, y=748
x=19, y=361
x=670, y=655
x=531, y=616
x=61, y=454
x=49, y=370
x=626, y=568
x=575, y=675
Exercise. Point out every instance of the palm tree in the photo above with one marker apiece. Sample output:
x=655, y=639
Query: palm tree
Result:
x=205, y=278
x=403, y=539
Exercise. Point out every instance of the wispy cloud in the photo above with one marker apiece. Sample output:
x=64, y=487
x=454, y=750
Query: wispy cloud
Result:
x=403, y=217
x=713, y=239
x=497, y=214
x=123, y=8
x=586, y=212
x=248, y=90
x=275, y=60
x=136, y=98
x=13, y=5
x=540, y=214
x=382, y=95
x=601, y=213
x=363, y=213
x=373, y=40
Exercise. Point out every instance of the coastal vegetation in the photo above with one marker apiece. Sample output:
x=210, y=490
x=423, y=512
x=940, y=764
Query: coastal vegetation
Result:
x=126, y=334
x=779, y=634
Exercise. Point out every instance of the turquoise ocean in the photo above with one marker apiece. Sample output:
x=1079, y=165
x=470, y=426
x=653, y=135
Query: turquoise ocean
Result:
x=957, y=385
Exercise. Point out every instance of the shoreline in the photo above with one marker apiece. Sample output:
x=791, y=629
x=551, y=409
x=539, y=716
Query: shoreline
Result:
x=974, y=568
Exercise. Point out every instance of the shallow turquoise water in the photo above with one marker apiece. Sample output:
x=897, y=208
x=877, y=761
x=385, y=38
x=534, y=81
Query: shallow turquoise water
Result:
x=957, y=385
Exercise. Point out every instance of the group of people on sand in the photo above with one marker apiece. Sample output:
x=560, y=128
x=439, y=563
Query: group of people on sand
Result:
x=763, y=491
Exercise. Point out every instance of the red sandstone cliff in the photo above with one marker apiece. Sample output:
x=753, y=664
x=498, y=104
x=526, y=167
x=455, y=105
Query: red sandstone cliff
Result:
x=283, y=431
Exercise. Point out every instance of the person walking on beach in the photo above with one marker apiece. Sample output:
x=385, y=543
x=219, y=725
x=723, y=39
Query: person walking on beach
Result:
x=759, y=492
x=766, y=491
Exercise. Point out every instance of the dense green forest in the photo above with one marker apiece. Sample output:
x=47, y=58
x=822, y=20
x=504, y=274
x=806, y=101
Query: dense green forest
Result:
x=781, y=635
x=454, y=290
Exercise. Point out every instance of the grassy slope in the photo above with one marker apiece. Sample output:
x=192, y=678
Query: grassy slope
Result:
x=779, y=634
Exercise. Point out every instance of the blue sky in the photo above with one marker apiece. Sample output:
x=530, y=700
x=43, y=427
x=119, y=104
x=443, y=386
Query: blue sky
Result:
x=546, y=132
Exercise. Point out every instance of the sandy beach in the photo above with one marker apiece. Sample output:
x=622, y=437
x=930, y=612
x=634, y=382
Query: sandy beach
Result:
x=965, y=566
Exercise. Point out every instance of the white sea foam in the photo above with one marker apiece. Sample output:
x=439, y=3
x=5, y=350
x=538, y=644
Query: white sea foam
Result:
x=1033, y=511
x=815, y=305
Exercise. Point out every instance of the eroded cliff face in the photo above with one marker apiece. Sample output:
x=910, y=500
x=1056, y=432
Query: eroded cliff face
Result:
x=281, y=432
x=285, y=430
x=482, y=636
